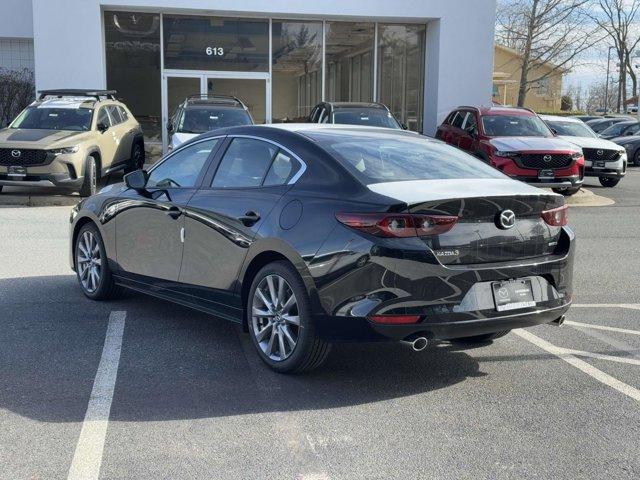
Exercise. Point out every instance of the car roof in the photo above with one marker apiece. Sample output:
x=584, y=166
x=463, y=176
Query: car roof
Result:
x=604, y=120
x=337, y=105
x=498, y=110
x=560, y=118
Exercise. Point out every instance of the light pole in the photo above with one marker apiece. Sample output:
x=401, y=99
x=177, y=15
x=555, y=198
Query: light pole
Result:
x=606, y=88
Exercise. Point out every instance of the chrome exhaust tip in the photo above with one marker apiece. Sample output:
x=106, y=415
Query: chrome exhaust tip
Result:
x=417, y=344
x=557, y=322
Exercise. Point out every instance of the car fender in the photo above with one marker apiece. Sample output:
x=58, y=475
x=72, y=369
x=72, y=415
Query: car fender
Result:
x=283, y=249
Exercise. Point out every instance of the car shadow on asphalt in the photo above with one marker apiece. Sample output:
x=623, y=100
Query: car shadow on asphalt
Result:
x=177, y=363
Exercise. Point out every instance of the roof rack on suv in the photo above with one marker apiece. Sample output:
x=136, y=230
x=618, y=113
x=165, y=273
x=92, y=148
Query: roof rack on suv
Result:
x=71, y=92
x=216, y=96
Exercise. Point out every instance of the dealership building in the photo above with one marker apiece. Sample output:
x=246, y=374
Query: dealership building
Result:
x=281, y=57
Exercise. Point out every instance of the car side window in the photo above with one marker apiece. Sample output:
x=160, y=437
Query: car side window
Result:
x=103, y=117
x=459, y=119
x=114, y=113
x=244, y=164
x=282, y=170
x=324, y=117
x=181, y=170
x=123, y=113
x=313, y=118
x=470, y=122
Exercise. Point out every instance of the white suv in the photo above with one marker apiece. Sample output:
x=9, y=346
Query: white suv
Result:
x=602, y=158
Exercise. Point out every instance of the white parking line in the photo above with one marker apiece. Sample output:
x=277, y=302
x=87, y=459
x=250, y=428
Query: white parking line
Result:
x=590, y=370
x=631, y=306
x=88, y=455
x=601, y=327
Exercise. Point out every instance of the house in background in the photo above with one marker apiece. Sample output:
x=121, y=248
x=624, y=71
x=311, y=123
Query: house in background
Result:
x=543, y=96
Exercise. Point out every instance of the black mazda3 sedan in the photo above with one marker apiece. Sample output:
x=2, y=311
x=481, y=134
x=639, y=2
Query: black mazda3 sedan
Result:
x=313, y=234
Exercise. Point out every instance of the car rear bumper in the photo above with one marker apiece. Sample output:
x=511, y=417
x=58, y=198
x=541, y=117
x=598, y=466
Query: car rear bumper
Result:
x=451, y=300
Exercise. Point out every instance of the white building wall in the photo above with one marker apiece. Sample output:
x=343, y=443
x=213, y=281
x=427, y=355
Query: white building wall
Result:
x=16, y=19
x=69, y=47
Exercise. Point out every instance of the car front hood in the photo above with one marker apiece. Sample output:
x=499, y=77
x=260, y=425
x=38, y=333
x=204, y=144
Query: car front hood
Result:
x=531, y=144
x=40, y=139
x=626, y=140
x=590, y=142
x=179, y=138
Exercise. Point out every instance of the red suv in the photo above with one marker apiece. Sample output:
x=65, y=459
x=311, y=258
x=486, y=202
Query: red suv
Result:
x=517, y=142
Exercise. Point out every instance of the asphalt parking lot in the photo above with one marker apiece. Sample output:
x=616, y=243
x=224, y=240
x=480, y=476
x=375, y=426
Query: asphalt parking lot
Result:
x=140, y=388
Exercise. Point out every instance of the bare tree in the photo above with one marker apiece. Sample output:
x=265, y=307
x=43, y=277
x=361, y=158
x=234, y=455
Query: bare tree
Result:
x=550, y=32
x=618, y=19
x=17, y=90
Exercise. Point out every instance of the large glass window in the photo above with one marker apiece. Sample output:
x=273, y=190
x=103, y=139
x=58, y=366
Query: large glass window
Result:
x=401, y=52
x=132, y=43
x=349, y=65
x=213, y=43
x=297, y=69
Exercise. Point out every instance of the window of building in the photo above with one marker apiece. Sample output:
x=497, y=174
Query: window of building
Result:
x=401, y=52
x=543, y=87
x=349, y=72
x=297, y=69
x=215, y=43
x=132, y=42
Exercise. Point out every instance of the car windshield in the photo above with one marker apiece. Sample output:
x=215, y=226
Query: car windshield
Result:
x=371, y=118
x=75, y=119
x=515, y=126
x=379, y=158
x=571, y=129
x=616, y=129
x=205, y=119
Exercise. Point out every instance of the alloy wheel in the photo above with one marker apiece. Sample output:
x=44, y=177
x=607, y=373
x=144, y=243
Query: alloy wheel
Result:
x=89, y=262
x=275, y=317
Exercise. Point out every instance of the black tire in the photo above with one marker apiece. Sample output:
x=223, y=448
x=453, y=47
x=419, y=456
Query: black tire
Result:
x=90, y=181
x=487, y=337
x=636, y=158
x=310, y=350
x=609, y=182
x=136, y=162
x=106, y=287
x=567, y=192
x=1, y=188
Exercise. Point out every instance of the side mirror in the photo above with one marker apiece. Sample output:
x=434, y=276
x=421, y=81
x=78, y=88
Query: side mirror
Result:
x=169, y=127
x=137, y=180
x=102, y=127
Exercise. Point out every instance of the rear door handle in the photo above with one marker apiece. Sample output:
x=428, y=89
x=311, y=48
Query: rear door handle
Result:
x=249, y=218
x=174, y=212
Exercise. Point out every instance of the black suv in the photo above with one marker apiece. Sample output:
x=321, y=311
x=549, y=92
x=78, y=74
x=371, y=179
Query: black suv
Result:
x=202, y=113
x=355, y=113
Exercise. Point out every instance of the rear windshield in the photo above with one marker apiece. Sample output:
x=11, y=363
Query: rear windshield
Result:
x=75, y=119
x=571, y=129
x=514, y=126
x=201, y=120
x=371, y=118
x=395, y=158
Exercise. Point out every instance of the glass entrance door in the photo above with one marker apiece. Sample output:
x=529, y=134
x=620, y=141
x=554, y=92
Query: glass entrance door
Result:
x=251, y=88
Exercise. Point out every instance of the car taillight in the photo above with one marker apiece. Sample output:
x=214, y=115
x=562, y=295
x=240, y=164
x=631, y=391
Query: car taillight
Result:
x=557, y=217
x=395, y=319
x=398, y=225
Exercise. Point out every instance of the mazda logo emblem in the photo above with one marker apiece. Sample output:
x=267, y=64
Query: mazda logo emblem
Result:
x=506, y=219
x=599, y=152
x=16, y=153
x=546, y=158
